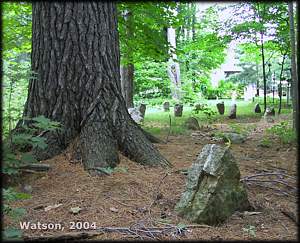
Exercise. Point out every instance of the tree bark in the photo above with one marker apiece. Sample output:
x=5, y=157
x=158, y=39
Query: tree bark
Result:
x=76, y=58
x=127, y=75
x=294, y=67
x=280, y=83
x=127, y=70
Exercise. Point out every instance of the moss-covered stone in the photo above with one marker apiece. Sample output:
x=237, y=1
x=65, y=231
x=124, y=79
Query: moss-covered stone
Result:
x=213, y=188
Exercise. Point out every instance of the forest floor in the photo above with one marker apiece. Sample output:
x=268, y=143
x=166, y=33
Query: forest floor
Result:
x=136, y=196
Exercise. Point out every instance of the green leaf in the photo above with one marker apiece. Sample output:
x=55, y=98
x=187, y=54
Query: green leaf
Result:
x=181, y=226
x=12, y=233
x=17, y=213
x=27, y=158
x=39, y=142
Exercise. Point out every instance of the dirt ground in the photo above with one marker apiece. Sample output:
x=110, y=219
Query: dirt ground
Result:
x=136, y=195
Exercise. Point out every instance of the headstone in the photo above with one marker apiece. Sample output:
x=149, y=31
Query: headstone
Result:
x=232, y=114
x=178, y=110
x=213, y=189
x=166, y=106
x=235, y=137
x=221, y=108
x=257, y=108
x=268, y=114
x=135, y=114
x=142, y=109
x=192, y=124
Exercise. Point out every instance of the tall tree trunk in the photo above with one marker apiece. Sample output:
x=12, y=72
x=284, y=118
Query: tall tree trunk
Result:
x=264, y=69
x=295, y=98
x=280, y=84
x=127, y=70
x=76, y=58
x=173, y=67
x=127, y=75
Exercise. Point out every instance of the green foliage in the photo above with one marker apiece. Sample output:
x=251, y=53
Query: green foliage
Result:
x=10, y=195
x=265, y=142
x=283, y=131
x=250, y=230
x=151, y=80
x=17, y=144
x=206, y=110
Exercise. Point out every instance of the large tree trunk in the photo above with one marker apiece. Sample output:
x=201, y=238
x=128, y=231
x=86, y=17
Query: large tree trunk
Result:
x=75, y=55
x=294, y=75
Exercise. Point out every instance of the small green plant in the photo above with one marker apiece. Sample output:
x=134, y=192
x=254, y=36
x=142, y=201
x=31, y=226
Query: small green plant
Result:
x=265, y=142
x=283, y=131
x=16, y=153
x=15, y=214
x=16, y=149
x=250, y=230
x=206, y=110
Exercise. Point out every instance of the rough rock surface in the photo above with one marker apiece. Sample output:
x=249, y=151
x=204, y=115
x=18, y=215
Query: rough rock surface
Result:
x=166, y=106
x=257, y=108
x=232, y=113
x=235, y=137
x=142, y=109
x=192, y=123
x=213, y=189
x=135, y=114
x=178, y=110
x=221, y=108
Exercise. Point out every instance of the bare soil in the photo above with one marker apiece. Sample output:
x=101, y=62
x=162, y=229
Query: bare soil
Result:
x=123, y=199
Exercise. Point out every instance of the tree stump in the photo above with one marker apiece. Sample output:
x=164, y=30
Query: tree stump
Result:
x=221, y=108
x=232, y=114
x=166, y=106
x=178, y=110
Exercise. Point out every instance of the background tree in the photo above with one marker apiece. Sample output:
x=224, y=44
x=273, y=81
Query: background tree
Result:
x=294, y=65
x=75, y=55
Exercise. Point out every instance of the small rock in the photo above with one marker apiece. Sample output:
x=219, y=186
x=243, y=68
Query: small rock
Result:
x=192, y=123
x=135, y=114
x=232, y=114
x=235, y=137
x=178, y=110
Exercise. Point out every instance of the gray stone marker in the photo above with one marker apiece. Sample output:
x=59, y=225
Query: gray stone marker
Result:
x=213, y=189
x=257, y=108
x=142, y=109
x=166, y=106
x=178, y=110
x=232, y=114
x=269, y=113
x=235, y=137
x=192, y=123
x=221, y=108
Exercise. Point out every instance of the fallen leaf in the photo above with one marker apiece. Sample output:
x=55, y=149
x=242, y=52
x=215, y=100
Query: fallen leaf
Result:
x=251, y=213
x=75, y=210
x=52, y=207
x=115, y=210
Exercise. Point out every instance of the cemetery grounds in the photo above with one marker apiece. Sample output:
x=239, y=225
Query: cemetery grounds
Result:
x=134, y=196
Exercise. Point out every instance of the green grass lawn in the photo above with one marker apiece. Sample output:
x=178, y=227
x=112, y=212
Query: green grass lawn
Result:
x=157, y=121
